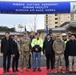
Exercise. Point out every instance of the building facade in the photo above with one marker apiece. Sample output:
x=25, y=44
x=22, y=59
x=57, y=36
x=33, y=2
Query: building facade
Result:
x=55, y=20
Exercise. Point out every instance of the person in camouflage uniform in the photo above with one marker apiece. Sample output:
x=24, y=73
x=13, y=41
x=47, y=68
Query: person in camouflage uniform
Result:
x=59, y=48
x=24, y=51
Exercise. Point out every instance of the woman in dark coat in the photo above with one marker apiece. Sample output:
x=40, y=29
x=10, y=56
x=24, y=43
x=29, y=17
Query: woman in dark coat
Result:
x=15, y=54
x=48, y=50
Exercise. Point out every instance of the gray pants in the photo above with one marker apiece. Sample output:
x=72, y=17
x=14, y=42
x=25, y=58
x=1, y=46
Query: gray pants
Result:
x=71, y=60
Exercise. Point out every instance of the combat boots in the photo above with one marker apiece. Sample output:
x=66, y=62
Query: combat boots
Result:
x=27, y=70
x=56, y=72
x=21, y=70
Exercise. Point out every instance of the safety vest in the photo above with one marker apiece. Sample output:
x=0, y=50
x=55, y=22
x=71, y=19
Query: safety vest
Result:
x=66, y=41
x=37, y=42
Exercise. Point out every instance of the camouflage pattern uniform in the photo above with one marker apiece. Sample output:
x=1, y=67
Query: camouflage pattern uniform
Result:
x=24, y=48
x=59, y=46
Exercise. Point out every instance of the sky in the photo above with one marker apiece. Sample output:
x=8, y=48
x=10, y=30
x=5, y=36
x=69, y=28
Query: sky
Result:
x=13, y=20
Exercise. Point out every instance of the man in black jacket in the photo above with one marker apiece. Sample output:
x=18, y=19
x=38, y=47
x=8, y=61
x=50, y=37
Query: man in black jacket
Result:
x=15, y=54
x=71, y=50
x=6, y=51
x=48, y=50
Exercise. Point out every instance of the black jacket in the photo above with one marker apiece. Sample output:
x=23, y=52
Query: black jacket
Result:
x=48, y=46
x=71, y=48
x=6, y=45
x=14, y=48
x=31, y=38
x=36, y=46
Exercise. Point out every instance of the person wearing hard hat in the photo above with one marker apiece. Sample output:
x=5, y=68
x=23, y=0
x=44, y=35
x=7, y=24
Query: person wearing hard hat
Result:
x=65, y=39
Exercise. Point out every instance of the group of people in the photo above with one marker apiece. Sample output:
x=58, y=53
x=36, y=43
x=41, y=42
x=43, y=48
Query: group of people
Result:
x=60, y=50
x=22, y=48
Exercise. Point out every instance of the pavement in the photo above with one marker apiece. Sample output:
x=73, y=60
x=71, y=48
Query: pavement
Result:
x=43, y=60
x=1, y=53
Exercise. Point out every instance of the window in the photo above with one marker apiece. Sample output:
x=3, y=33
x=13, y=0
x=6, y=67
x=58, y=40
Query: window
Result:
x=56, y=18
x=46, y=15
x=55, y=14
x=56, y=22
x=56, y=26
x=46, y=22
x=46, y=18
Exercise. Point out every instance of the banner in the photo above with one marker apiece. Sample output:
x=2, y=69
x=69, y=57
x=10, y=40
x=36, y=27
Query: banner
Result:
x=37, y=7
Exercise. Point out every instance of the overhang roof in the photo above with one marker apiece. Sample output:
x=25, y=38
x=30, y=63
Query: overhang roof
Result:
x=11, y=33
x=72, y=23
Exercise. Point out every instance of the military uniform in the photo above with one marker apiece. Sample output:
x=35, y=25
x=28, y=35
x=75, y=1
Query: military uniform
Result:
x=59, y=46
x=24, y=48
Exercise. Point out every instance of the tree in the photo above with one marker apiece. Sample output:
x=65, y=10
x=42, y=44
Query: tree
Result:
x=5, y=28
x=33, y=25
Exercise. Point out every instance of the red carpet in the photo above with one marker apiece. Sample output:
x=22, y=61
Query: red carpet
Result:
x=43, y=72
x=59, y=70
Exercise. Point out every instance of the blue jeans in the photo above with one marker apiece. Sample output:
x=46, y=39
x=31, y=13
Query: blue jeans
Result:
x=36, y=55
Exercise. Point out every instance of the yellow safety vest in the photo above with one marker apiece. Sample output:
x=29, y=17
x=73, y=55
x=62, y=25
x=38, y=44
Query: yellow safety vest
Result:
x=37, y=42
x=66, y=41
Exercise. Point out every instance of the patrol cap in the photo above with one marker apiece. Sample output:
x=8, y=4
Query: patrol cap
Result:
x=58, y=35
x=24, y=32
x=64, y=34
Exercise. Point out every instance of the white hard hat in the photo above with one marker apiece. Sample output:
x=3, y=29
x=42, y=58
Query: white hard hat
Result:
x=64, y=34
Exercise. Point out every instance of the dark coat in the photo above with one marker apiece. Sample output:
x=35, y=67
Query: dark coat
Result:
x=48, y=46
x=71, y=48
x=6, y=45
x=36, y=46
x=31, y=38
x=14, y=48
